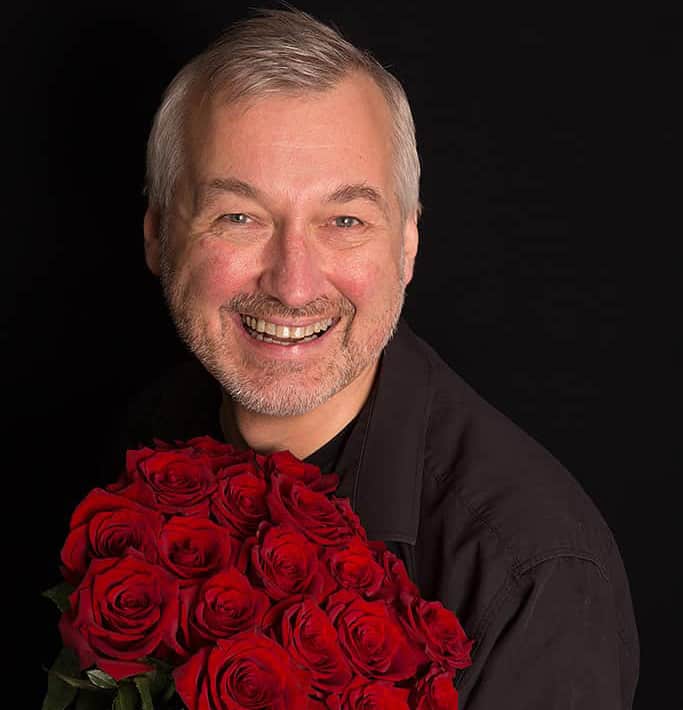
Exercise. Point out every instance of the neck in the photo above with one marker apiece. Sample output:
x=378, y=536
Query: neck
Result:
x=302, y=434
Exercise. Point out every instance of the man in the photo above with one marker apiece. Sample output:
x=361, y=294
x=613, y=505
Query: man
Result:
x=283, y=184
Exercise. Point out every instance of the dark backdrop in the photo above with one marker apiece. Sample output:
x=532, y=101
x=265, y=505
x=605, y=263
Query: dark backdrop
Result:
x=548, y=274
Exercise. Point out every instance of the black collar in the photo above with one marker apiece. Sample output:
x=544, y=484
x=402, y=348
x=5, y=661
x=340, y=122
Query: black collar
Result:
x=385, y=451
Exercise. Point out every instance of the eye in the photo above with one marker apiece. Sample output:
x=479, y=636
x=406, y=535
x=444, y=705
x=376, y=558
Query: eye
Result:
x=236, y=218
x=345, y=221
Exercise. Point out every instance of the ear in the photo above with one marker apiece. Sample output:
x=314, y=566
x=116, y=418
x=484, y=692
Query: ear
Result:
x=152, y=245
x=410, y=243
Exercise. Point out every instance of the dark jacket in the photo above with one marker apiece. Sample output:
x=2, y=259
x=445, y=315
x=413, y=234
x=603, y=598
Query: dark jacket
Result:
x=486, y=519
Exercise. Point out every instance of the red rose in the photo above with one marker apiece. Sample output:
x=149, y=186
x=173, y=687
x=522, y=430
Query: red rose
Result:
x=225, y=456
x=396, y=582
x=324, y=521
x=220, y=452
x=172, y=481
x=307, y=634
x=105, y=525
x=239, y=500
x=435, y=691
x=286, y=564
x=286, y=464
x=439, y=631
x=194, y=548
x=363, y=694
x=375, y=644
x=248, y=671
x=224, y=605
x=124, y=608
x=353, y=567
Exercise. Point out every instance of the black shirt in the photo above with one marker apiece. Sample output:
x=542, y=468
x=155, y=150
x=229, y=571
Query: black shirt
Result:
x=327, y=456
x=487, y=520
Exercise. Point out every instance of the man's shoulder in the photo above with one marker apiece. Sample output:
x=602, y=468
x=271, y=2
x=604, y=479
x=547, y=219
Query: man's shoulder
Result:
x=508, y=534
x=502, y=479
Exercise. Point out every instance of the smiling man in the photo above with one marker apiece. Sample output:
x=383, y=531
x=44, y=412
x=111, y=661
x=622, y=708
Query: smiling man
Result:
x=283, y=183
x=286, y=250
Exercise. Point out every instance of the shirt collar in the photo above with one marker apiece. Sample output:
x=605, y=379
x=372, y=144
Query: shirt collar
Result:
x=385, y=452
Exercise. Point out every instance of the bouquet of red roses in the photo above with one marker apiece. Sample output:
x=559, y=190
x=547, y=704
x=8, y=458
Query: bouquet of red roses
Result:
x=211, y=578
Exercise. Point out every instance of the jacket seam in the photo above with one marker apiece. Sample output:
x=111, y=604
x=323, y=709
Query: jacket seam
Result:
x=480, y=628
x=366, y=435
x=478, y=514
x=511, y=582
x=554, y=553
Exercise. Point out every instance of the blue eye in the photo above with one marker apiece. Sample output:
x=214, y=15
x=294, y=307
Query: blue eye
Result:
x=345, y=221
x=236, y=218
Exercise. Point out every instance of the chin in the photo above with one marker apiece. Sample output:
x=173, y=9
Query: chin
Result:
x=279, y=401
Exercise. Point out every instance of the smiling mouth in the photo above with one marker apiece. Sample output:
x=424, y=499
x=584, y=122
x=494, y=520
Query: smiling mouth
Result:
x=263, y=330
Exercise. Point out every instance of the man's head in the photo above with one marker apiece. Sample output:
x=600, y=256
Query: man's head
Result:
x=283, y=184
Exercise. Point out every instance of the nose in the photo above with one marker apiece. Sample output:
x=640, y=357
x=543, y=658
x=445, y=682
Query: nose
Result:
x=293, y=272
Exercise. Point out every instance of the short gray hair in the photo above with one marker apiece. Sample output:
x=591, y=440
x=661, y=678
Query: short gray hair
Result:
x=274, y=51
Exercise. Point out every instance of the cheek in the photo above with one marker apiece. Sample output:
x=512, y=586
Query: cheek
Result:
x=214, y=274
x=367, y=281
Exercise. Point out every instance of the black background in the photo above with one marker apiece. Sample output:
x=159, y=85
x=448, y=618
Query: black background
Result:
x=548, y=274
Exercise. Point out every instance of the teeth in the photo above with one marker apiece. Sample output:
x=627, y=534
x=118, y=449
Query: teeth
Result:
x=303, y=333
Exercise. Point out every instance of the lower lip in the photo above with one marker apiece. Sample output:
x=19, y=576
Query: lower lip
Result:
x=285, y=351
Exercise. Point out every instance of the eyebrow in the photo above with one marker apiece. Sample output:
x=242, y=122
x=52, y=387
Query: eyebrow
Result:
x=209, y=190
x=359, y=191
x=344, y=193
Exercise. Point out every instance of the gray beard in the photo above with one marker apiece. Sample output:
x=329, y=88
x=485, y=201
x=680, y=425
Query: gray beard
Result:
x=267, y=388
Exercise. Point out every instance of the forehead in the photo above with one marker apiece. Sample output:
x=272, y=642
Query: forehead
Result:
x=296, y=141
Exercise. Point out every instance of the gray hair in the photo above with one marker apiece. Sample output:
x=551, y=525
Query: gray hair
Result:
x=274, y=51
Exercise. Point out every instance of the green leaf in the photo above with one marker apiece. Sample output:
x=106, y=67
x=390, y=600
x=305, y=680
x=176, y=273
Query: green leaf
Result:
x=60, y=694
x=60, y=595
x=66, y=662
x=143, y=686
x=74, y=682
x=126, y=698
x=158, y=682
x=170, y=692
x=101, y=679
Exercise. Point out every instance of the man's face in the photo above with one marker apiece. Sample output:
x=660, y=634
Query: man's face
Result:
x=286, y=223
